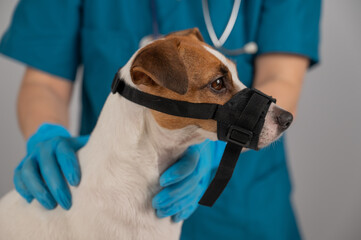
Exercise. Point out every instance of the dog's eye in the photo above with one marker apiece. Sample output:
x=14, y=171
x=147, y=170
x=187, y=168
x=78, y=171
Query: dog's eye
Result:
x=218, y=84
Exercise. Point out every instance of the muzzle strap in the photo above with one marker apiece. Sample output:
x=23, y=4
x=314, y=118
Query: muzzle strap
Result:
x=249, y=120
x=239, y=123
x=164, y=105
x=223, y=175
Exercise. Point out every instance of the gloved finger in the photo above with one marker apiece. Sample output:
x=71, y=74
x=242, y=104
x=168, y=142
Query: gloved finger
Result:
x=53, y=177
x=181, y=169
x=45, y=132
x=174, y=192
x=68, y=162
x=193, y=194
x=20, y=186
x=178, y=206
x=79, y=142
x=186, y=213
x=34, y=183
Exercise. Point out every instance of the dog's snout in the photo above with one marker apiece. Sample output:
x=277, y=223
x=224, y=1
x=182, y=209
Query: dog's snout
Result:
x=284, y=120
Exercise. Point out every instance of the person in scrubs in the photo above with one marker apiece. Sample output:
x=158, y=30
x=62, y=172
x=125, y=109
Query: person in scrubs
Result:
x=54, y=37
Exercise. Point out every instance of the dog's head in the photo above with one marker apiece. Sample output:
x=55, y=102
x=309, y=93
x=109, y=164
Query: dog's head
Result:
x=182, y=66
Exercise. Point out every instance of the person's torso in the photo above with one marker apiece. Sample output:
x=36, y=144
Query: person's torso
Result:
x=111, y=31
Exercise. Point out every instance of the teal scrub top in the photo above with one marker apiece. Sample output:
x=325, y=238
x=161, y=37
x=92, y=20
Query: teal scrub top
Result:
x=58, y=36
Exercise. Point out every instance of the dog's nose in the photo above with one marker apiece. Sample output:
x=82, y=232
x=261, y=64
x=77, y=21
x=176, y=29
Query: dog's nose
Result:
x=284, y=120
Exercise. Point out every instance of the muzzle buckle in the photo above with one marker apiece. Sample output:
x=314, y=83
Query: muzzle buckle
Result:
x=239, y=136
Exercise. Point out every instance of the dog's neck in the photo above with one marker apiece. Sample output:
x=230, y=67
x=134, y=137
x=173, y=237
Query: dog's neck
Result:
x=127, y=152
x=125, y=128
x=131, y=128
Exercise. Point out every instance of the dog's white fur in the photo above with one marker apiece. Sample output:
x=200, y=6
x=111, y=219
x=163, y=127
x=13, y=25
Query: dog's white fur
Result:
x=121, y=165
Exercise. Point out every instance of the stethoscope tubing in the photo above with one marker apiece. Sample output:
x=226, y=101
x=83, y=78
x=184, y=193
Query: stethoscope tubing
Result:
x=249, y=48
x=227, y=31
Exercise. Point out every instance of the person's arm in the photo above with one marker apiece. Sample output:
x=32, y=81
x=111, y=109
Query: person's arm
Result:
x=39, y=37
x=42, y=98
x=50, y=162
x=281, y=76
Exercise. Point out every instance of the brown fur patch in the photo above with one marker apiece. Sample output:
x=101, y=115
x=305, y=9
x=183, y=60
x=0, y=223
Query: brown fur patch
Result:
x=201, y=68
x=159, y=63
x=191, y=33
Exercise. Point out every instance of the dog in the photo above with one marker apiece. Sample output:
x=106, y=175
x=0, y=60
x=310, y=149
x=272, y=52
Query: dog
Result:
x=132, y=145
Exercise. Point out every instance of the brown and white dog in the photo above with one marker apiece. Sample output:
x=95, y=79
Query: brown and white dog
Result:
x=132, y=145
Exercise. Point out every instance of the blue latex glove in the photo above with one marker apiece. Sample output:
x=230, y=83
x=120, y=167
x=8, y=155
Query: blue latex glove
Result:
x=185, y=182
x=50, y=159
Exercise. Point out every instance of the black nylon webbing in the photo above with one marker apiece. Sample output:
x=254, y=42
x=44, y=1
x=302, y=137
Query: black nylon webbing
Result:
x=250, y=115
x=223, y=175
x=248, y=119
x=168, y=106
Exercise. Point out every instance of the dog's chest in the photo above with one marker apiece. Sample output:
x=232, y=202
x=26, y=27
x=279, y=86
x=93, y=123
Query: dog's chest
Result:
x=121, y=194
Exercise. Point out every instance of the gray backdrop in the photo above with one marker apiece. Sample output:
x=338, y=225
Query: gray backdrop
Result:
x=324, y=143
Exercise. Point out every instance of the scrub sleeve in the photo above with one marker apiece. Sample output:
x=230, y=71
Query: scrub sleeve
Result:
x=44, y=35
x=290, y=27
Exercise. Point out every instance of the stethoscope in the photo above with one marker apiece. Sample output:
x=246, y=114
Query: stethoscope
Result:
x=248, y=48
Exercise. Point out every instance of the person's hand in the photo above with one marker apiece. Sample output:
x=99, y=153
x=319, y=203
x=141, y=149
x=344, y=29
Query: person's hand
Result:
x=185, y=182
x=50, y=159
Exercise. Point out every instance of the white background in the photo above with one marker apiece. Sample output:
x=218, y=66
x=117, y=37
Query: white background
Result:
x=324, y=143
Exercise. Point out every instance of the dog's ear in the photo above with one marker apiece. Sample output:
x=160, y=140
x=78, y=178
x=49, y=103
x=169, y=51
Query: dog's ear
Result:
x=159, y=63
x=192, y=33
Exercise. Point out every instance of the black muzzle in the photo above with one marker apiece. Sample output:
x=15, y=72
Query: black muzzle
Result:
x=239, y=123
